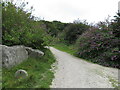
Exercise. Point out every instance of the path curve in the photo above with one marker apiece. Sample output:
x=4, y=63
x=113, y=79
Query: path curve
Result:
x=73, y=72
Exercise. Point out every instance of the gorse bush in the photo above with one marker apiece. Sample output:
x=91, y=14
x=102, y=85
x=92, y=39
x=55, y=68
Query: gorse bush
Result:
x=19, y=27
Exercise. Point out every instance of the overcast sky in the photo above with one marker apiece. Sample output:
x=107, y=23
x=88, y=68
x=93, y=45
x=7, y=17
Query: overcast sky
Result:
x=70, y=10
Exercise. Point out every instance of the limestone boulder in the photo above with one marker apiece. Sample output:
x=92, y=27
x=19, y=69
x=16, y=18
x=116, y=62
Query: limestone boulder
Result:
x=34, y=52
x=12, y=56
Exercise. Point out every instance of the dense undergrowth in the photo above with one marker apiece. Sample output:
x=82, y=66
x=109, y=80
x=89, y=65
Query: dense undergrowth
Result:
x=39, y=73
x=99, y=46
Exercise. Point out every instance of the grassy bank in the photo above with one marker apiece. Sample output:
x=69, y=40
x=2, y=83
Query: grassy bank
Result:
x=65, y=48
x=68, y=49
x=39, y=73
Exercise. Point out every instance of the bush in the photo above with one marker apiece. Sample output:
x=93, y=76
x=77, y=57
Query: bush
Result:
x=72, y=32
x=19, y=27
x=116, y=26
x=98, y=46
x=109, y=58
x=53, y=28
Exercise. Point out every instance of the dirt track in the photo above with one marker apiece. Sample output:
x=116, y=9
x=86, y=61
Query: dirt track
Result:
x=72, y=72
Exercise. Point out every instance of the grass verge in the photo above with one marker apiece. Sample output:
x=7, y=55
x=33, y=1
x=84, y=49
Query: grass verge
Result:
x=39, y=73
x=68, y=49
x=65, y=48
x=114, y=82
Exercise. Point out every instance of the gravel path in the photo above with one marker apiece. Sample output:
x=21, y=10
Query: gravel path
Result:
x=73, y=72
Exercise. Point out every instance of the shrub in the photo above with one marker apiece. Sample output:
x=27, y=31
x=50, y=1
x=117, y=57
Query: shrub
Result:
x=20, y=28
x=72, y=32
x=116, y=26
x=109, y=58
x=98, y=46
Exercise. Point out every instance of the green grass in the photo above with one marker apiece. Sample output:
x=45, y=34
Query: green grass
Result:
x=114, y=83
x=39, y=73
x=65, y=48
x=0, y=78
x=68, y=49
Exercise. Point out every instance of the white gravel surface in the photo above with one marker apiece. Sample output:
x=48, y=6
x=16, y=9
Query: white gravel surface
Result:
x=73, y=72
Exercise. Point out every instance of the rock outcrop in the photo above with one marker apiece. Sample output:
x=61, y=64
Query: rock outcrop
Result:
x=34, y=53
x=14, y=55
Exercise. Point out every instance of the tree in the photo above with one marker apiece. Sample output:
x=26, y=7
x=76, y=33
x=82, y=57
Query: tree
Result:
x=116, y=26
x=72, y=32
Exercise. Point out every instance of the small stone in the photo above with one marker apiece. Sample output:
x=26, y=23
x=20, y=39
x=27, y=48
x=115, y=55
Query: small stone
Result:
x=47, y=47
x=21, y=74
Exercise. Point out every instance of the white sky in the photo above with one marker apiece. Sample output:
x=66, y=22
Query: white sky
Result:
x=70, y=10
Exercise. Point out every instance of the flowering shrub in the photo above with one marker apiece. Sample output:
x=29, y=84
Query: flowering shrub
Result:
x=99, y=46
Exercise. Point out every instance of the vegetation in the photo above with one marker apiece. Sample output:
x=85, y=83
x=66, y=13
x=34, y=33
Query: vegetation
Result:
x=116, y=26
x=98, y=44
x=19, y=27
x=54, y=28
x=72, y=32
x=39, y=73
x=65, y=48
